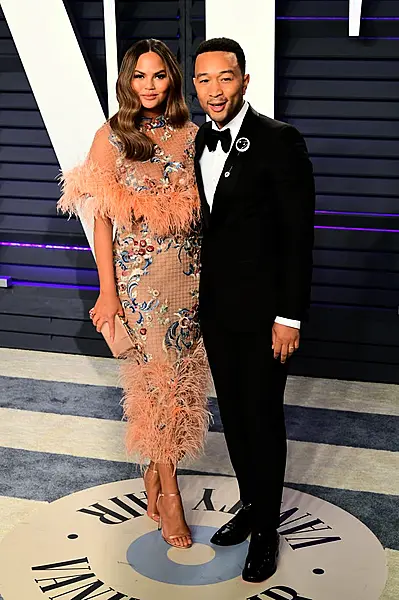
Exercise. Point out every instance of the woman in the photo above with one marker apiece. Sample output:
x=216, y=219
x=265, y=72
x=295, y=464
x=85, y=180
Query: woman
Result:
x=139, y=179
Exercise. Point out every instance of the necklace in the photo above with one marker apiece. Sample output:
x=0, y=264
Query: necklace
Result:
x=148, y=123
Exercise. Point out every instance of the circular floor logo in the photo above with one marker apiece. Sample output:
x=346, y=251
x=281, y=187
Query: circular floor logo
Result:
x=98, y=543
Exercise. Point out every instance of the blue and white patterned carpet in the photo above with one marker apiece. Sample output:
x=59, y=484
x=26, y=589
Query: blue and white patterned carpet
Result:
x=61, y=431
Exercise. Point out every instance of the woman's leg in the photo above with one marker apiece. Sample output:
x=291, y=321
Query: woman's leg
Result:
x=152, y=487
x=174, y=527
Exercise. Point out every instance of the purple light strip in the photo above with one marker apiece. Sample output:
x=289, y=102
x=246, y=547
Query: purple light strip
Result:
x=315, y=18
x=366, y=37
x=357, y=229
x=44, y=246
x=96, y=288
x=317, y=212
x=63, y=286
x=312, y=18
x=355, y=214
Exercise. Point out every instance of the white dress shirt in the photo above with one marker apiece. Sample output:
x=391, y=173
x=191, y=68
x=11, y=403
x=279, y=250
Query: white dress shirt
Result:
x=212, y=164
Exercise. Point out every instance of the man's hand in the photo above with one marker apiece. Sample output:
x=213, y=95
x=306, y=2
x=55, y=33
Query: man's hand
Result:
x=285, y=340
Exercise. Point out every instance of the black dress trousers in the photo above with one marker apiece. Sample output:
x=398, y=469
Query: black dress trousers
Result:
x=250, y=385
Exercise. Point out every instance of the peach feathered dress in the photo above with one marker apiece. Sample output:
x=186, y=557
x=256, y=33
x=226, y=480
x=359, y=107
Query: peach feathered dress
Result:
x=155, y=207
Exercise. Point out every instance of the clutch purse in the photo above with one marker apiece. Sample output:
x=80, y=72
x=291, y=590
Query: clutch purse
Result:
x=122, y=341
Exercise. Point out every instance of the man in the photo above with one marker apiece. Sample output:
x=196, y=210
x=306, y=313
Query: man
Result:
x=257, y=196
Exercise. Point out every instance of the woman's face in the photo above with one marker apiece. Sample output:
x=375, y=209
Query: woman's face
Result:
x=151, y=83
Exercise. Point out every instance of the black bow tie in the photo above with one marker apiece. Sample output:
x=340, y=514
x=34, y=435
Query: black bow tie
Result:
x=213, y=136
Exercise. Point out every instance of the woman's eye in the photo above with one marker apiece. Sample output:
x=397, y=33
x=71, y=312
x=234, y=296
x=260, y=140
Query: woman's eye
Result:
x=137, y=76
x=161, y=76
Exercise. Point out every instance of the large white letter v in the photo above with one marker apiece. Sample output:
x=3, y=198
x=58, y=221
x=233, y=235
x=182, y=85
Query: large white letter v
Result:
x=355, y=14
x=58, y=76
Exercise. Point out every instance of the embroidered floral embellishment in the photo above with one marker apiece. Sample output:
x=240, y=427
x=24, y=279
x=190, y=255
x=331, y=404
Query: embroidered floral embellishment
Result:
x=149, y=123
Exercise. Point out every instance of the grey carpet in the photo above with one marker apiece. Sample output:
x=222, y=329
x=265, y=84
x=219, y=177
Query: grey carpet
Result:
x=342, y=428
x=379, y=512
x=47, y=477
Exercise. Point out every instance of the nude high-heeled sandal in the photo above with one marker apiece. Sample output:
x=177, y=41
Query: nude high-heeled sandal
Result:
x=169, y=539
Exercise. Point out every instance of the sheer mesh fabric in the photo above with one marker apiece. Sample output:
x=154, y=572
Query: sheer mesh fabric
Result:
x=155, y=208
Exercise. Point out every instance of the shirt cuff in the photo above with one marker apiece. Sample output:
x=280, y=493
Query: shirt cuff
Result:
x=288, y=322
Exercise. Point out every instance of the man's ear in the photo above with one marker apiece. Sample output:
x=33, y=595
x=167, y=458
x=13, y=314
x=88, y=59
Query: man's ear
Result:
x=245, y=83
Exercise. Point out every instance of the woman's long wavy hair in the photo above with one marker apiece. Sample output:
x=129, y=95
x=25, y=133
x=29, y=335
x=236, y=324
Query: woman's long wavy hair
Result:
x=125, y=123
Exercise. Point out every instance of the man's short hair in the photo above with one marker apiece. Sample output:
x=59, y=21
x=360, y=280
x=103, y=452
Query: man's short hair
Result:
x=223, y=45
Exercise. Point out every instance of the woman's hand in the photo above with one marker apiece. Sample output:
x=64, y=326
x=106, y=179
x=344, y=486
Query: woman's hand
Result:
x=107, y=306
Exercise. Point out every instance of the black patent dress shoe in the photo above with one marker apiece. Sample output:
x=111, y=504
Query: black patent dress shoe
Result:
x=262, y=556
x=236, y=530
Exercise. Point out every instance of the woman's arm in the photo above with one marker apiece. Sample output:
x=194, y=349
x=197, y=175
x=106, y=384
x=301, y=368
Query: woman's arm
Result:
x=104, y=255
x=108, y=304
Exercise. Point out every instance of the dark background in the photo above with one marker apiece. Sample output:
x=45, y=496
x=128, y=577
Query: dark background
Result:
x=342, y=93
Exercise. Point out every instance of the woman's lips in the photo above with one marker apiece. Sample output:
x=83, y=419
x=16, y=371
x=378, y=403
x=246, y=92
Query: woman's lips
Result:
x=150, y=96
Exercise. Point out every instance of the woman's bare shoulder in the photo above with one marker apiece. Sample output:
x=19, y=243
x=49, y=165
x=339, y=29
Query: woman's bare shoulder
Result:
x=103, y=132
x=192, y=127
x=190, y=130
x=103, y=143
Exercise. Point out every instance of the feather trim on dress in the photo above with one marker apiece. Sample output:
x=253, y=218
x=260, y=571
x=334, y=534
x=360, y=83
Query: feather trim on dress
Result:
x=165, y=406
x=90, y=191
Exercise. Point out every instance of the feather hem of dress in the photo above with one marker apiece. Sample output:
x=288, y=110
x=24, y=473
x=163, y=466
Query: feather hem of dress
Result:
x=166, y=407
x=89, y=191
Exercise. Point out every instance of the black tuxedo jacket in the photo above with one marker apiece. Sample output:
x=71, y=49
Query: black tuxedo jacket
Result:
x=258, y=238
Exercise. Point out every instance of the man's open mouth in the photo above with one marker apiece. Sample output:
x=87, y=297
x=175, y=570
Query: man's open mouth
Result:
x=217, y=106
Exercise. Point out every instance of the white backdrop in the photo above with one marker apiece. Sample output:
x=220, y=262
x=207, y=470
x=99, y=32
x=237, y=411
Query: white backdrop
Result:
x=58, y=76
x=62, y=85
x=252, y=24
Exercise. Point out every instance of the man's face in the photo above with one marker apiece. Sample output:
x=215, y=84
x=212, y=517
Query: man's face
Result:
x=220, y=85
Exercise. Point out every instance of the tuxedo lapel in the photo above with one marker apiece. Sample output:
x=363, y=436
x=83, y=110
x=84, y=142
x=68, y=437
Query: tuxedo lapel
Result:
x=229, y=179
x=199, y=148
x=230, y=176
